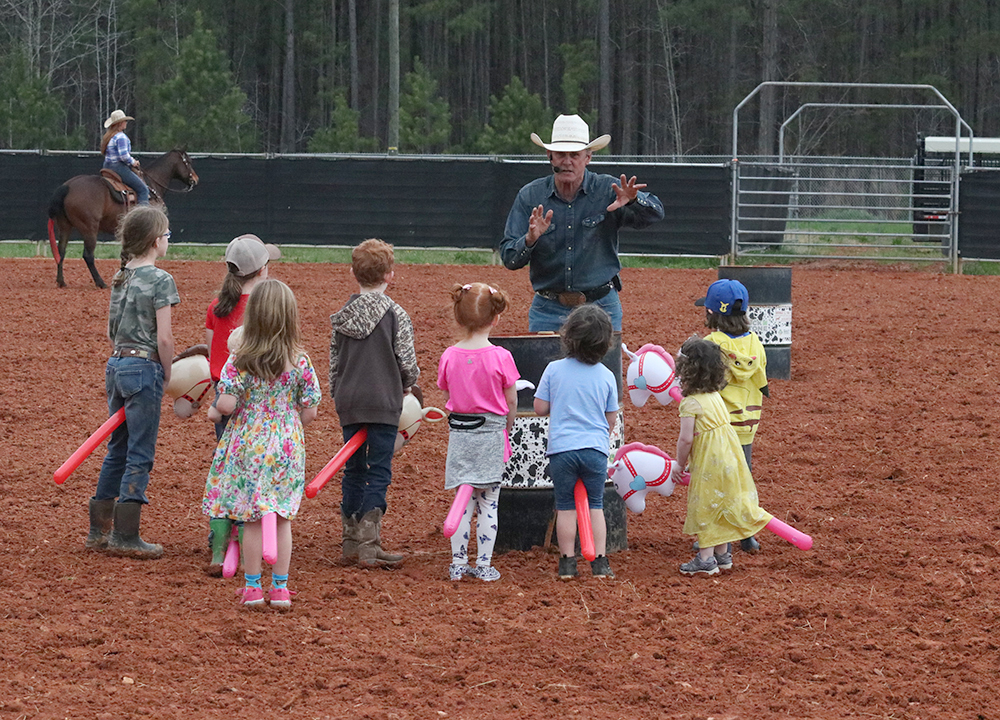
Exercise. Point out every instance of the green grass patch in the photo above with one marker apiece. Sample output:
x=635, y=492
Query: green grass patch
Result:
x=406, y=256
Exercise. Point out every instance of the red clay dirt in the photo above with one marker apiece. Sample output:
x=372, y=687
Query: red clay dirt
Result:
x=883, y=447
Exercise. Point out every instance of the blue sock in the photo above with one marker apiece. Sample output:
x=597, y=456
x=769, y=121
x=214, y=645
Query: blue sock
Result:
x=253, y=581
x=278, y=581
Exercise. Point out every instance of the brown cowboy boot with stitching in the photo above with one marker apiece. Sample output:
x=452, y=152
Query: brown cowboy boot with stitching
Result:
x=370, y=553
x=349, y=543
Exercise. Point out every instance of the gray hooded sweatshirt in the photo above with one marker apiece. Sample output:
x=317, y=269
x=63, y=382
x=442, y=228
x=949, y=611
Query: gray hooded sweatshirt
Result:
x=372, y=359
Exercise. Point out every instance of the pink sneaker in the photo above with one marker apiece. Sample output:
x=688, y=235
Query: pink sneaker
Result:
x=280, y=598
x=251, y=597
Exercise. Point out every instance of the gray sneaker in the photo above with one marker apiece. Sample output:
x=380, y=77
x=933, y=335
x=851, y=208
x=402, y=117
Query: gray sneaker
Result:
x=725, y=560
x=601, y=567
x=697, y=566
x=567, y=568
x=750, y=545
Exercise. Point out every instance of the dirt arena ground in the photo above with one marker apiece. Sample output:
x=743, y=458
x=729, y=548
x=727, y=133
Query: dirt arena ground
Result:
x=883, y=447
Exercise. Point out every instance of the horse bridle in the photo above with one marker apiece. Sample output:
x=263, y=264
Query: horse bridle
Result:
x=189, y=182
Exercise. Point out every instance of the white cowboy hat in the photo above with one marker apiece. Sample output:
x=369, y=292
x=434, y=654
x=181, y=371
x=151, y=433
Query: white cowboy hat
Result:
x=116, y=117
x=570, y=133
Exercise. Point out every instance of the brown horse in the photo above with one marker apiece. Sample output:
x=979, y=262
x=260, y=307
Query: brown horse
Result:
x=88, y=203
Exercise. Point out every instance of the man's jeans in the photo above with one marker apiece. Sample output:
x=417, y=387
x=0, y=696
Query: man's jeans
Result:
x=136, y=385
x=546, y=315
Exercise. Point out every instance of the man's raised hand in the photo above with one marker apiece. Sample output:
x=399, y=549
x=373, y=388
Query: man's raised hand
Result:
x=625, y=193
x=539, y=222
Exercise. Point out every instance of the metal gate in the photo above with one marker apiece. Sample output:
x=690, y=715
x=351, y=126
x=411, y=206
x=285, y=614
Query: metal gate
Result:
x=846, y=208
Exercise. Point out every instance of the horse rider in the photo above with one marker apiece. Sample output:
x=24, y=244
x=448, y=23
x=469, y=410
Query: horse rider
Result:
x=118, y=157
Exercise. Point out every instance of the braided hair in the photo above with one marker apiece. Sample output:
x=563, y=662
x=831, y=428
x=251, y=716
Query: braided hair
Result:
x=137, y=232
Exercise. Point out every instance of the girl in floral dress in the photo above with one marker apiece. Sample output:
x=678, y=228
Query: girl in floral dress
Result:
x=270, y=388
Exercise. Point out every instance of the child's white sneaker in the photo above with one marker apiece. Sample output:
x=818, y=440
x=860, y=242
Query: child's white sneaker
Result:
x=487, y=573
x=457, y=572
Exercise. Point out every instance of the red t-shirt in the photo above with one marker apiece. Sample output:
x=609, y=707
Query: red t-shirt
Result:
x=221, y=329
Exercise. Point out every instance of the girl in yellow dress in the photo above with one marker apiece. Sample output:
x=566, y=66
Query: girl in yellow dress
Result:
x=722, y=499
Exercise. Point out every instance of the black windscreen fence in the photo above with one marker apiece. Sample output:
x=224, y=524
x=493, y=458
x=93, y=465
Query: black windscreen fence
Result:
x=979, y=225
x=410, y=202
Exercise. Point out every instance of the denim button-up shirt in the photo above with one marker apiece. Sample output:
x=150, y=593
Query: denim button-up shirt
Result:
x=579, y=251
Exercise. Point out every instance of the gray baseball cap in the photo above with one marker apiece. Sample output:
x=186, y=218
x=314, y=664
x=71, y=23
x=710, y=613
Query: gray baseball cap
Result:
x=248, y=253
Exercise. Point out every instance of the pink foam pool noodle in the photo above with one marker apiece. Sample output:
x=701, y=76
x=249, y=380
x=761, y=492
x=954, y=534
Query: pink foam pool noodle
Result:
x=232, y=560
x=787, y=532
x=269, y=527
x=337, y=462
x=83, y=452
x=458, y=506
x=583, y=521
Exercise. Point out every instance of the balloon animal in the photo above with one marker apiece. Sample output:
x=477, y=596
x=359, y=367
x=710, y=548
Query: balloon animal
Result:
x=651, y=372
x=639, y=469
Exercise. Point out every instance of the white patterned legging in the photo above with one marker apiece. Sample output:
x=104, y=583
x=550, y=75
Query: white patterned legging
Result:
x=484, y=501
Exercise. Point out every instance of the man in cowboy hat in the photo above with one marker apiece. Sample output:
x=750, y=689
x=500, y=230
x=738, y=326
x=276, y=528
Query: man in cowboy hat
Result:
x=565, y=228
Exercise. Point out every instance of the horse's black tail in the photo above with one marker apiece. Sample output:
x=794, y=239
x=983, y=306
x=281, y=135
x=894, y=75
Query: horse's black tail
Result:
x=56, y=207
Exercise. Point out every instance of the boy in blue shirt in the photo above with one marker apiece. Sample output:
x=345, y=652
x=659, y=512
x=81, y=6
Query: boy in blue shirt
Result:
x=581, y=396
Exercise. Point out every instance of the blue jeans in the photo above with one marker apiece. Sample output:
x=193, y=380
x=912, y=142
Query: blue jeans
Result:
x=588, y=465
x=132, y=180
x=136, y=385
x=368, y=471
x=546, y=315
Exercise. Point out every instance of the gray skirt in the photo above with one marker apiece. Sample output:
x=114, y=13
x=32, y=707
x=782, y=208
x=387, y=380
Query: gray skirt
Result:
x=475, y=455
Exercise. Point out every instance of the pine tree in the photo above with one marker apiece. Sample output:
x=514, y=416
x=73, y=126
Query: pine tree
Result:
x=513, y=117
x=201, y=107
x=424, y=116
x=341, y=135
x=31, y=117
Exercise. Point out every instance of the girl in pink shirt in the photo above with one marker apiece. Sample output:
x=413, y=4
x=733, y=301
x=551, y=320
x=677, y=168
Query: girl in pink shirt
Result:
x=478, y=380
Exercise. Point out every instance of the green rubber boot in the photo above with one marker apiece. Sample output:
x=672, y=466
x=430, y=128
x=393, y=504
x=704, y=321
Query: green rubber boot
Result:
x=218, y=540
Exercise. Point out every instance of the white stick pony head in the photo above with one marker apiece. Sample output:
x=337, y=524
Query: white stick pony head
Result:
x=651, y=372
x=639, y=469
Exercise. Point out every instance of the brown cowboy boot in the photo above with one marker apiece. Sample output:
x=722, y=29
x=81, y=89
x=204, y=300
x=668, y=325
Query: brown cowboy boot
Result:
x=370, y=553
x=349, y=544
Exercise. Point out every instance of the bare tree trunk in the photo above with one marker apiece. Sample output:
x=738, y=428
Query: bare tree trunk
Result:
x=604, y=118
x=393, y=75
x=288, y=82
x=352, y=20
x=766, y=131
x=545, y=53
x=647, y=135
x=627, y=90
x=672, y=97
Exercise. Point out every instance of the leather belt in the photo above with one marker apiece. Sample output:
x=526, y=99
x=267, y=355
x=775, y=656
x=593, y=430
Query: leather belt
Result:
x=572, y=298
x=135, y=352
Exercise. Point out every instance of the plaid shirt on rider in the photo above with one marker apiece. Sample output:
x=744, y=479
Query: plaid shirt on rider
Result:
x=119, y=150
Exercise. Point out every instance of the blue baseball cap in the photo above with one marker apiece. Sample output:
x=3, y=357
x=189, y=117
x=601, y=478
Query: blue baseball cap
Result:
x=723, y=295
